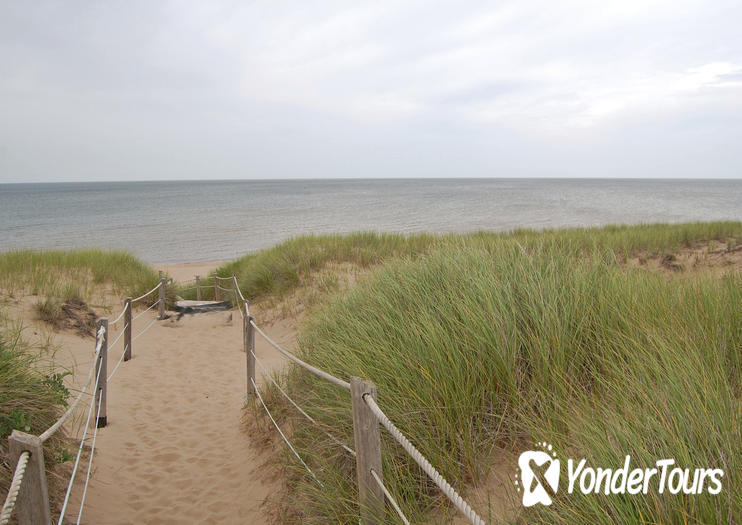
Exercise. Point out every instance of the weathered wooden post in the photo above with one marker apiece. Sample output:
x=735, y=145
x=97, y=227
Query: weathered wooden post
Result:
x=101, y=394
x=198, y=288
x=368, y=452
x=216, y=289
x=127, y=329
x=32, y=505
x=250, y=350
x=161, y=306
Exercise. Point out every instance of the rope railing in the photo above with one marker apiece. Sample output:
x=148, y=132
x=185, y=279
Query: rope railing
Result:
x=257, y=392
x=146, y=294
x=15, y=487
x=143, y=331
x=432, y=473
x=79, y=450
x=118, y=337
x=90, y=462
x=366, y=418
x=52, y=429
x=389, y=496
x=140, y=314
x=301, y=411
x=306, y=366
x=119, y=317
x=118, y=363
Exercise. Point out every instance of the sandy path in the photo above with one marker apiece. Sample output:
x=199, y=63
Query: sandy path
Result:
x=175, y=449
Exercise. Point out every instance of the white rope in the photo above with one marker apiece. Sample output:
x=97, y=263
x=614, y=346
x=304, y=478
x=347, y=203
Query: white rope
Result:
x=146, y=294
x=121, y=360
x=243, y=301
x=142, y=332
x=237, y=287
x=140, y=314
x=119, y=317
x=79, y=450
x=121, y=333
x=310, y=418
x=90, y=460
x=225, y=289
x=445, y=487
x=316, y=371
x=15, y=486
x=390, y=498
x=52, y=429
x=282, y=434
x=223, y=278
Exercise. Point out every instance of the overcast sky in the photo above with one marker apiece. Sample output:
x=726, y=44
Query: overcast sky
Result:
x=199, y=90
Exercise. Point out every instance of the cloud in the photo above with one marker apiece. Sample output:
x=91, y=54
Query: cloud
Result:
x=173, y=89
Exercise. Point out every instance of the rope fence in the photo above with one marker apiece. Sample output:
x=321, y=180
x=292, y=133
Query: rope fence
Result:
x=33, y=508
x=367, y=417
x=439, y=480
x=316, y=371
x=391, y=499
x=153, y=290
x=301, y=411
x=140, y=314
x=372, y=491
x=80, y=448
x=260, y=398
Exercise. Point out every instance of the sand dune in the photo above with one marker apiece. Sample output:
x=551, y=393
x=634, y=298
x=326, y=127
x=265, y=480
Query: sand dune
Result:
x=176, y=449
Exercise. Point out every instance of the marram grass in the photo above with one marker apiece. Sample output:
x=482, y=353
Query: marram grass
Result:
x=493, y=342
x=279, y=270
x=73, y=273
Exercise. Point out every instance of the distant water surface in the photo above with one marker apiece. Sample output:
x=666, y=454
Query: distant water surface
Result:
x=185, y=221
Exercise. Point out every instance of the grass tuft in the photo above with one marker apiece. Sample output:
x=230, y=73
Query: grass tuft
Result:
x=488, y=342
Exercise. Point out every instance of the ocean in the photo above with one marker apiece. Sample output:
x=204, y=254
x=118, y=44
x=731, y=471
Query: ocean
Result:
x=195, y=221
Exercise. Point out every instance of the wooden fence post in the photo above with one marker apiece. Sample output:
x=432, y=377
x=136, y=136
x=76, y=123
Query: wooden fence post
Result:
x=161, y=309
x=127, y=329
x=101, y=394
x=198, y=288
x=250, y=350
x=32, y=505
x=216, y=289
x=368, y=452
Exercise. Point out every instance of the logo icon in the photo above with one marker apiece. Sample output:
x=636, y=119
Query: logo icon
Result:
x=538, y=475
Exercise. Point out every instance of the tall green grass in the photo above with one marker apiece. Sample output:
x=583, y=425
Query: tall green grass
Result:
x=496, y=341
x=281, y=269
x=31, y=399
x=73, y=273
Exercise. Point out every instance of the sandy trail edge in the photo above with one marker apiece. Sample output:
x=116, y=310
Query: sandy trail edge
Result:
x=175, y=449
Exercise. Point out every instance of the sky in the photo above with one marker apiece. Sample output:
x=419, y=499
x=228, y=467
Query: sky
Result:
x=148, y=90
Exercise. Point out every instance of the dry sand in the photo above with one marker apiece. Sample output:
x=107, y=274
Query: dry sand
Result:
x=188, y=271
x=176, y=449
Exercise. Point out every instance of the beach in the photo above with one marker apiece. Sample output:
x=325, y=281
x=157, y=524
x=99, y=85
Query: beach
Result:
x=176, y=448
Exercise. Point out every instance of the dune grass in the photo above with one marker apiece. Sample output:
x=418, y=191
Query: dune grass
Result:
x=73, y=274
x=277, y=271
x=31, y=399
x=489, y=342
